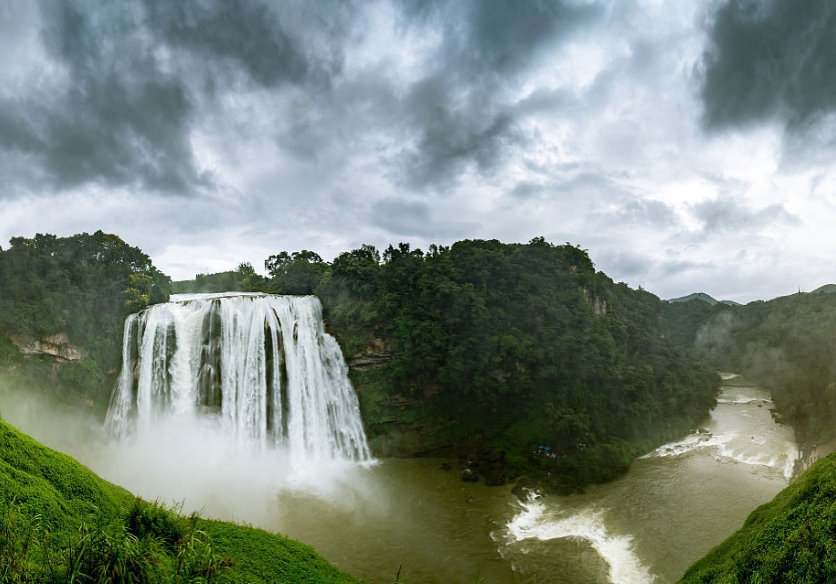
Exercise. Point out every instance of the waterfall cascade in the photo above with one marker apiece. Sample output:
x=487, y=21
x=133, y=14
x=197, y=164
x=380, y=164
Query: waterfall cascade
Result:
x=260, y=366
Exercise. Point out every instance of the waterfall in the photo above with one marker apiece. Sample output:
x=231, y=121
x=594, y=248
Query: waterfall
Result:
x=259, y=366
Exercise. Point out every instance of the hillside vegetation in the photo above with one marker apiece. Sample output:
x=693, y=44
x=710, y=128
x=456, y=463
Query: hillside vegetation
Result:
x=76, y=292
x=786, y=345
x=790, y=539
x=59, y=522
x=520, y=358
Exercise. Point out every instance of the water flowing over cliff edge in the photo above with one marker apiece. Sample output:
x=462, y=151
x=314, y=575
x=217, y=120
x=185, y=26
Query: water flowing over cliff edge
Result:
x=258, y=368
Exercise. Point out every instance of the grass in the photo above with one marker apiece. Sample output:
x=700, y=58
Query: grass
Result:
x=790, y=539
x=60, y=522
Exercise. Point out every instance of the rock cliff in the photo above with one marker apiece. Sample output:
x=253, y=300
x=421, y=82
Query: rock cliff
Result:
x=57, y=346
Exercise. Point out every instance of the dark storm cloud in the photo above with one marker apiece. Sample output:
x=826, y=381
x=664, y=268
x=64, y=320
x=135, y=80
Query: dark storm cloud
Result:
x=770, y=59
x=249, y=34
x=135, y=79
x=118, y=120
x=460, y=110
x=501, y=36
x=454, y=134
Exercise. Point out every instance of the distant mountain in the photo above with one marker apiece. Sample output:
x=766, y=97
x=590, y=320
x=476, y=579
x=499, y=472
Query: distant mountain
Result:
x=706, y=298
x=826, y=289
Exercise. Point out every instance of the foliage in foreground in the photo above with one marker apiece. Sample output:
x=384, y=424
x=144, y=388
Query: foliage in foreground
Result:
x=59, y=522
x=791, y=539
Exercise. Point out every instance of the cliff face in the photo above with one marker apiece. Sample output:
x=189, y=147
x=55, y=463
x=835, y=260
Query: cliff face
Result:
x=372, y=357
x=57, y=346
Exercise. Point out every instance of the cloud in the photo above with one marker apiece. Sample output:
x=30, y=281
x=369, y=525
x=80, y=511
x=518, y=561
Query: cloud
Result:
x=116, y=117
x=504, y=35
x=246, y=33
x=770, y=60
x=131, y=88
x=399, y=217
x=128, y=84
x=727, y=214
x=641, y=212
x=453, y=135
x=208, y=132
x=461, y=109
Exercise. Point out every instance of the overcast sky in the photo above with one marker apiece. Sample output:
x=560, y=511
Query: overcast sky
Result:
x=687, y=145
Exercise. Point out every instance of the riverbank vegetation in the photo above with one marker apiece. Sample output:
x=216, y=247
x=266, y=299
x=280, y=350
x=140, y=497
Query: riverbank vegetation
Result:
x=789, y=539
x=520, y=358
x=785, y=345
x=59, y=522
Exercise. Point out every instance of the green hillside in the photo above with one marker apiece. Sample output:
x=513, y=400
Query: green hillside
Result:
x=785, y=344
x=59, y=522
x=695, y=296
x=826, y=289
x=791, y=539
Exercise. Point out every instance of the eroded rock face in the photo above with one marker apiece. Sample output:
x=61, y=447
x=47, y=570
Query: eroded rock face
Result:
x=599, y=305
x=371, y=357
x=366, y=361
x=57, y=346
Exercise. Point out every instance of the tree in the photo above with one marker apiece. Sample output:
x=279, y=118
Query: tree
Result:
x=297, y=273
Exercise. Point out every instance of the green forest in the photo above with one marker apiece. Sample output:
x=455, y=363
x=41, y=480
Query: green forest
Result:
x=80, y=288
x=521, y=359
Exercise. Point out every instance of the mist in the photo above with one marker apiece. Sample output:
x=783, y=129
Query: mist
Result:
x=187, y=462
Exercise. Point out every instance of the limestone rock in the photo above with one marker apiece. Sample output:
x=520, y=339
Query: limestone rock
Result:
x=57, y=346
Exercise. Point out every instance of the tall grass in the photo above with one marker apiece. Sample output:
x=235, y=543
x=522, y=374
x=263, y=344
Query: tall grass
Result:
x=151, y=543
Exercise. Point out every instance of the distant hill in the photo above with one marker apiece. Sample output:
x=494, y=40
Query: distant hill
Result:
x=705, y=297
x=826, y=289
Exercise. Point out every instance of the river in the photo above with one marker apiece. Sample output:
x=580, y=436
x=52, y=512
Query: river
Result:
x=415, y=520
x=672, y=507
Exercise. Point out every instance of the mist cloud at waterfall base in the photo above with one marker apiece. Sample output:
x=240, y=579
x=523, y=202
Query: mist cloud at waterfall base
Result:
x=189, y=462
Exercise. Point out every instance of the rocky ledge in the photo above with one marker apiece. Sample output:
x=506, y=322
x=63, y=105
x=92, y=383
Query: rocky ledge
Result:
x=368, y=360
x=57, y=346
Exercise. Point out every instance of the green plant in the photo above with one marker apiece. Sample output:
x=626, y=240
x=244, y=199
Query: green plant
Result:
x=18, y=532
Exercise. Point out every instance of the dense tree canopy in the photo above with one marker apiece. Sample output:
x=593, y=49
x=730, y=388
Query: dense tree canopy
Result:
x=242, y=279
x=519, y=357
x=81, y=286
x=509, y=348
